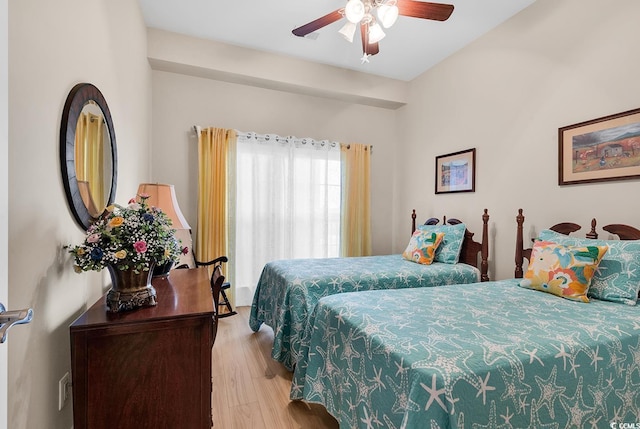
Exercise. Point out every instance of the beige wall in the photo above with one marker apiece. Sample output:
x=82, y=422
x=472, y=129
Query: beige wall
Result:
x=52, y=46
x=554, y=64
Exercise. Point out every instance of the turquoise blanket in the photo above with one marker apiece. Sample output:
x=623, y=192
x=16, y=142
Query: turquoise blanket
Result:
x=488, y=355
x=288, y=290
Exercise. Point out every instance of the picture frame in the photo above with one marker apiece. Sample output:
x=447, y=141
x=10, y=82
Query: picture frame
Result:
x=600, y=150
x=456, y=172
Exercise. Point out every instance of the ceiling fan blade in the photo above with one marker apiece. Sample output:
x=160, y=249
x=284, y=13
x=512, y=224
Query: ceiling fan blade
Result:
x=368, y=48
x=425, y=10
x=317, y=24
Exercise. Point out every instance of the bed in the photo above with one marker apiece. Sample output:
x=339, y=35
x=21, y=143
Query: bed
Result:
x=487, y=355
x=288, y=290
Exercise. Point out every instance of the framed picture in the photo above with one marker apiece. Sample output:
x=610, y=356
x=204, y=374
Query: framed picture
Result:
x=456, y=172
x=600, y=150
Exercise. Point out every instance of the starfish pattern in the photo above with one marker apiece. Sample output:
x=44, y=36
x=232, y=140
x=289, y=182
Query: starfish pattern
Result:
x=317, y=388
x=549, y=391
x=577, y=411
x=635, y=357
x=435, y=338
x=616, y=359
x=363, y=385
x=514, y=388
x=401, y=393
x=493, y=419
x=370, y=420
x=401, y=369
x=348, y=352
x=600, y=392
x=628, y=394
x=484, y=387
x=532, y=356
x=507, y=417
x=434, y=393
x=535, y=418
x=332, y=369
x=495, y=349
x=452, y=365
x=374, y=333
x=595, y=358
x=564, y=355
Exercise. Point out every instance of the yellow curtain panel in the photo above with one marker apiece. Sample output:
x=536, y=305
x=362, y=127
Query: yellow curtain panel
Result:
x=89, y=155
x=214, y=148
x=355, y=220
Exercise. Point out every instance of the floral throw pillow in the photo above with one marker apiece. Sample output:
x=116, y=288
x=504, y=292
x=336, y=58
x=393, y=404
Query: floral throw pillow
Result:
x=618, y=276
x=422, y=247
x=565, y=271
x=449, y=251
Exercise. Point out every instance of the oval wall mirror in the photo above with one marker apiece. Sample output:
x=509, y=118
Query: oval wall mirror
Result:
x=88, y=155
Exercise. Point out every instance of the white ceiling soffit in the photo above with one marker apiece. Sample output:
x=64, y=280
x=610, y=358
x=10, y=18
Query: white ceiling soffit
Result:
x=412, y=45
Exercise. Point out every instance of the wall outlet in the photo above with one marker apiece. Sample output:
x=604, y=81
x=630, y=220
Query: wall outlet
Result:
x=64, y=390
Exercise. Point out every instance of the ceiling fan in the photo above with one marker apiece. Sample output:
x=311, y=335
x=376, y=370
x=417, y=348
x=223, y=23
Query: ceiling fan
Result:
x=369, y=14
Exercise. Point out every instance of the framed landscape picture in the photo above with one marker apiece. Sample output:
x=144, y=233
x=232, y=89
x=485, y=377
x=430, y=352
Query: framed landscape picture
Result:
x=602, y=149
x=456, y=172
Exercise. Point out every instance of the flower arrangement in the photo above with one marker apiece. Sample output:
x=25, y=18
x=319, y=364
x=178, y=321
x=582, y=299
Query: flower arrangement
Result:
x=135, y=237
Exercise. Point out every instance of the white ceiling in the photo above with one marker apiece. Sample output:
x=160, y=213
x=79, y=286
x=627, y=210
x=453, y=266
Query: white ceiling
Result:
x=411, y=47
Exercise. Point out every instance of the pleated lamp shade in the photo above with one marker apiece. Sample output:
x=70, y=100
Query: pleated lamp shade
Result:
x=164, y=197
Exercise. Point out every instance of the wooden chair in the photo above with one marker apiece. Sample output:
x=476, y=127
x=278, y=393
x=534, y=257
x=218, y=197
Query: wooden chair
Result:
x=219, y=286
x=190, y=260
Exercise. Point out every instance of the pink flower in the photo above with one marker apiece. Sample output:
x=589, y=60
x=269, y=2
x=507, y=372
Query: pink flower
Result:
x=140, y=246
x=185, y=250
x=132, y=200
x=93, y=238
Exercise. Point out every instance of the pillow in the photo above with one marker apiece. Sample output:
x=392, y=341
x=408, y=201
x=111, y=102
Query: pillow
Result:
x=422, y=246
x=618, y=276
x=449, y=251
x=564, y=271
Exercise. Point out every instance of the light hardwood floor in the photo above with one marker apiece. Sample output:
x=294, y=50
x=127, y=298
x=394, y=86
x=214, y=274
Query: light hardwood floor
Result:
x=250, y=389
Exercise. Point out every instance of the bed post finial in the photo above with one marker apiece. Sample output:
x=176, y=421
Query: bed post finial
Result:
x=413, y=221
x=484, y=251
x=592, y=234
x=519, y=245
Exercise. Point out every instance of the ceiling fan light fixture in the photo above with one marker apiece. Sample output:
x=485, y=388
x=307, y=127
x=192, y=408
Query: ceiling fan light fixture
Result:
x=375, y=33
x=388, y=14
x=354, y=11
x=348, y=30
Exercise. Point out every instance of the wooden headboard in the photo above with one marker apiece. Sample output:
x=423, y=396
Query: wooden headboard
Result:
x=470, y=248
x=624, y=232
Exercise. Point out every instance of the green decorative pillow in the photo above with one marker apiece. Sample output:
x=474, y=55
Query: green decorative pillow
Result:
x=449, y=250
x=618, y=276
x=422, y=246
x=564, y=271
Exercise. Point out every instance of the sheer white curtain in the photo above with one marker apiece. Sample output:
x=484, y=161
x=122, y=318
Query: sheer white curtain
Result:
x=287, y=204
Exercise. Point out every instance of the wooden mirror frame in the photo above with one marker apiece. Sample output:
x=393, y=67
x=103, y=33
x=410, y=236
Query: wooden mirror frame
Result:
x=78, y=97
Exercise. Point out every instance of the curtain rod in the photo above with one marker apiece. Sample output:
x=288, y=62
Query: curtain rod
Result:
x=250, y=135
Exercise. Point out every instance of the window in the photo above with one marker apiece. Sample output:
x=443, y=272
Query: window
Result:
x=287, y=204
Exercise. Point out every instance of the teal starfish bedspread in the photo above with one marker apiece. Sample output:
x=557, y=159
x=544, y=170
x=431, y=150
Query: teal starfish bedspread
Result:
x=288, y=290
x=488, y=355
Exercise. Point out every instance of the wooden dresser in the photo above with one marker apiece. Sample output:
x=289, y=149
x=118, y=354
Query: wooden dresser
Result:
x=148, y=368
